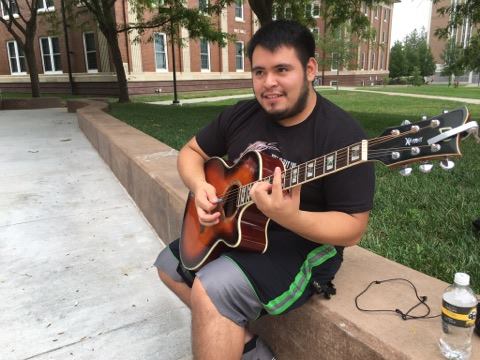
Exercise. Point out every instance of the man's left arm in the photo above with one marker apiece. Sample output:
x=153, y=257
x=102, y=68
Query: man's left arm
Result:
x=329, y=227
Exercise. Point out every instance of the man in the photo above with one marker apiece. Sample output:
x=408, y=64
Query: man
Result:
x=309, y=225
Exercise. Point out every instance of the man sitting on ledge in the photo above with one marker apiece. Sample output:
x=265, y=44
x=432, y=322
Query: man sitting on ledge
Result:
x=310, y=225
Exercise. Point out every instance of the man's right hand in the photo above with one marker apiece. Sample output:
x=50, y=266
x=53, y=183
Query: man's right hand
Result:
x=206, y=201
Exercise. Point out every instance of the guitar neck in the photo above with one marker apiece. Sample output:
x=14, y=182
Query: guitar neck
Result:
x=313, y=169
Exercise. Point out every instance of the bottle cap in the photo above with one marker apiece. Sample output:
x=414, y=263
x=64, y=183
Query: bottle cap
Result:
x=462, y=279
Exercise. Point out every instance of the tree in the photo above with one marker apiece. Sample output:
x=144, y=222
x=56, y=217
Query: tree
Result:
x=452, y=55
x=397, y=66
x=413, y=55
x=21, y=23
x=471, y=55
x=425, y=59
x=458, y=12
x=340, y=47
x=167, y=16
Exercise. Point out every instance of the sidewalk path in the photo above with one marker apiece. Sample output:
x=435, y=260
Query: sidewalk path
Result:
x=205, y=99
x=76, y=276
x=433, y=97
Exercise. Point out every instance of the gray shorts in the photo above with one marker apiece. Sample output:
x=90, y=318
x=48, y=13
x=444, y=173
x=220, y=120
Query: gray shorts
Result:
x=225, y=283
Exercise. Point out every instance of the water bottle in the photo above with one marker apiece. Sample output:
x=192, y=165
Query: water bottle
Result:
x=459, y=309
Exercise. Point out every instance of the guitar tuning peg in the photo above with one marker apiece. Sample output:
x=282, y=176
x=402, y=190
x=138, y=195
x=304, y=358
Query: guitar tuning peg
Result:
x=424, y=117
x=447, y=164
x=405, y=122
x=425, y=167
x=406, y=171
x=445, y=111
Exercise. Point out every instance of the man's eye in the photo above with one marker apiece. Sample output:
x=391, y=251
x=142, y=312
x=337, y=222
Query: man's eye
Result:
x=282, y=69
x=258, y=73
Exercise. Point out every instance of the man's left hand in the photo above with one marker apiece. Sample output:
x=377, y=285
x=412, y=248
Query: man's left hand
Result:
x=279, y=205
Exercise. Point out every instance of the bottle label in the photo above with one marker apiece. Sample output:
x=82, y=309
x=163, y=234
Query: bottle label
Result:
x=458, y=316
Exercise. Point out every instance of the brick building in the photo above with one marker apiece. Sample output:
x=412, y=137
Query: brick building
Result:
x=462, y=36
x=149, y=64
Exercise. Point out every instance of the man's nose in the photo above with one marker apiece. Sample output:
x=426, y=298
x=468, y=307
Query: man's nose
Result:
x=270, y=80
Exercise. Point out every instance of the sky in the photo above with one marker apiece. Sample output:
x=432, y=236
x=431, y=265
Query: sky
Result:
x=409, y=15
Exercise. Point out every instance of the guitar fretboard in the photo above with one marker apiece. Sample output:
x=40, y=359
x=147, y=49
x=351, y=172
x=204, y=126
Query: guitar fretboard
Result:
x=313, y=169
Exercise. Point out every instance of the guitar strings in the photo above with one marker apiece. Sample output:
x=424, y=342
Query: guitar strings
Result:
x=341, y=157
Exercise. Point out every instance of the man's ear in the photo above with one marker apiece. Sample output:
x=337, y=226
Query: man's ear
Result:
x=311, y=69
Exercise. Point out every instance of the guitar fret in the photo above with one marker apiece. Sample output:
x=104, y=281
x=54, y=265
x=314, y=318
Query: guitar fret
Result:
x=310, y=170
x=330, y=162
x=354, y=153
x=294, y=176
x=342, y=160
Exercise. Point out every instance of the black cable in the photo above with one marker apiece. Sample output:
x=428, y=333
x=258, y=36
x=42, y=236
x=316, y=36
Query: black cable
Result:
x=404, y=315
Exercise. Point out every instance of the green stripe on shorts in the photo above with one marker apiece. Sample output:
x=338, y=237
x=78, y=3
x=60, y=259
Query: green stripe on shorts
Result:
x=298, y=286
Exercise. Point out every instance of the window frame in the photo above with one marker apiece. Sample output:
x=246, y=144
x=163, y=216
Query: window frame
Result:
x=85, y=52
x=242, y=56
x=208, y=55
x=16, y=57
x=239, y=18
x=7, y=16
x=157, y=69
x=362, y=60
x=316, y=5
x=44, y=7
x=51, y=72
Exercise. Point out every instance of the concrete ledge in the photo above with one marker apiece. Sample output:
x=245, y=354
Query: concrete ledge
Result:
x=322, y=329
x=31, y=103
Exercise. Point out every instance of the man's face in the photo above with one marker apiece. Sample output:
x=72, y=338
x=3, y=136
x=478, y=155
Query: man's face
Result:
x=280, y=82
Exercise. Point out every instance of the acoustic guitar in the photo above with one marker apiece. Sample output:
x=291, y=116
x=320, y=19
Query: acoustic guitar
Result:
x=243, y=226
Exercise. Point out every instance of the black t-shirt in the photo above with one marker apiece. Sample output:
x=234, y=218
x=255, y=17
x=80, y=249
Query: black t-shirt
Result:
x=245, y=126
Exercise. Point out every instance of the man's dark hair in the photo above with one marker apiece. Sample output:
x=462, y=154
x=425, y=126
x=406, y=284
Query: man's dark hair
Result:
x=284, y=33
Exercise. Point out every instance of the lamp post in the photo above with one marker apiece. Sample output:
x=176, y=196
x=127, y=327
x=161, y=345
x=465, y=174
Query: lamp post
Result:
x=172, y=39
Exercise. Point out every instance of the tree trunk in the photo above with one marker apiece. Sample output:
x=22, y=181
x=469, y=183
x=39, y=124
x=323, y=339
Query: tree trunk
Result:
x=32, y=68
x=112, y=39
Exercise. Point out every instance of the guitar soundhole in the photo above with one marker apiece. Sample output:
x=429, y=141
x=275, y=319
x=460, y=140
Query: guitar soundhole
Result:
x=230, y=205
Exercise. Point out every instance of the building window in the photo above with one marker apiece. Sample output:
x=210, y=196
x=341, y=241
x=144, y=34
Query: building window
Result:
x=204, y=55
x=12, y=4
x=362, y=61
x=373, y=60
x=45, y=6
x=161, y=52
x=288, y=11
x=203, y=5
x=385, y=14
x=17, y=59
x=239, y=56
x=90, y=50
x=334, y=65
x=381, y=59
x=313, y=9
x=51, y=55
x=383, y=37
x=364, y=8
x=316, y=33
x=239, y=10
x=377, y=11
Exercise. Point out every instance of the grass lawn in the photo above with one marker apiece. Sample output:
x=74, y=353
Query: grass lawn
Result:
x=422, y=221
x=472, y=92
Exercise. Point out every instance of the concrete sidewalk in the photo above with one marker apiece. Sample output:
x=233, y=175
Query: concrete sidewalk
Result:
x=76, y=276
x=433, y=97
x=205, y=99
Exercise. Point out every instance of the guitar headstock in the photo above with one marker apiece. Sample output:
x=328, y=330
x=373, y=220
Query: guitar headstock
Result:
x=434, y=138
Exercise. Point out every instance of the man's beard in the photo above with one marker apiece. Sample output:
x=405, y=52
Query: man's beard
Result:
x=297, y=108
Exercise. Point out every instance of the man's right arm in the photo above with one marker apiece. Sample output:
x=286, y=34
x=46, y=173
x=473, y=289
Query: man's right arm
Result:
x=190, y=166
